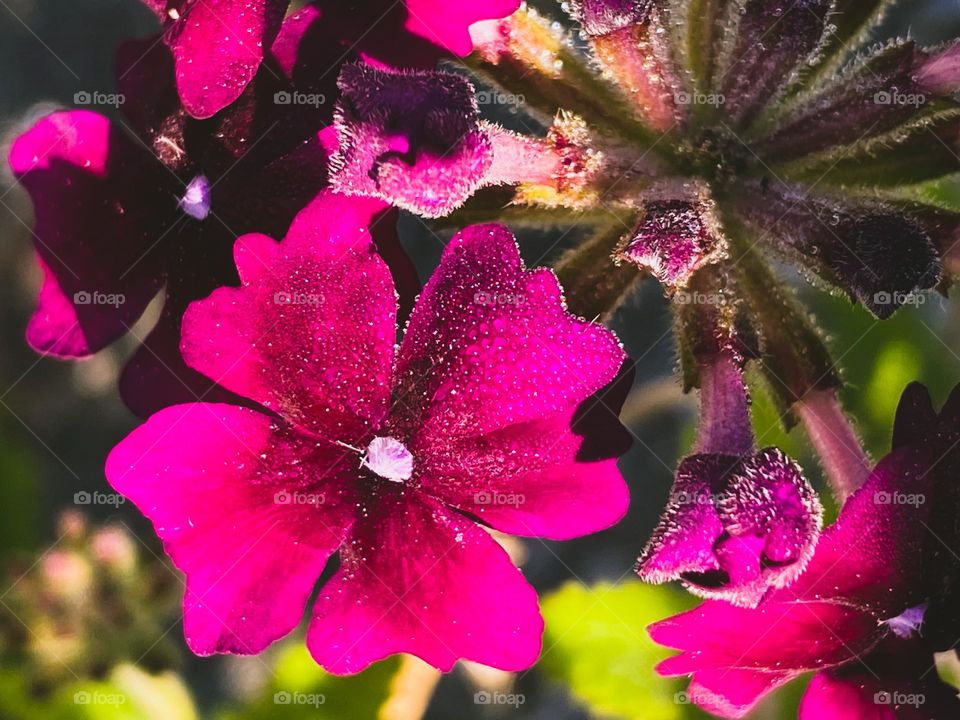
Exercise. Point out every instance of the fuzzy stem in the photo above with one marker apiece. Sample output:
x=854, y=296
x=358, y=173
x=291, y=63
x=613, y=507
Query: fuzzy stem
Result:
x=724, y=409
x=842, y=457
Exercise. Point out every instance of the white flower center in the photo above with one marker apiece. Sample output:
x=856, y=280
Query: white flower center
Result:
x=389, y=458
x=196, y=198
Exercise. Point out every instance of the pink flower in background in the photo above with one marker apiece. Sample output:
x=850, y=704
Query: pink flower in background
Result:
x=389, y=455
x=156, y=199
x=879, y=597
x=218, y=45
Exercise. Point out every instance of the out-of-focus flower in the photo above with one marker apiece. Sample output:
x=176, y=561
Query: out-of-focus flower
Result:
x=85, y=604
x=877, y=600
x=486, y=411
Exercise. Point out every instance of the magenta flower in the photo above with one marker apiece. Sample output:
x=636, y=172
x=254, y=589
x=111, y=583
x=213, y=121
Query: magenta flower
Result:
x=218, y=45
x=389, y=455
x=878, y=598
x=120, y=215
x=739, y=522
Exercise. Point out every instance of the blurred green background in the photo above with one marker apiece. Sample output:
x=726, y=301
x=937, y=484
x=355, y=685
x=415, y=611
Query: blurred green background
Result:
x=89, y=618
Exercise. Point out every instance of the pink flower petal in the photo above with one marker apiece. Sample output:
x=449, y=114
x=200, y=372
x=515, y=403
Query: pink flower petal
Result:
x=96, y=200
x=421, y=579
x=447, y=23
x=526, y=479
x=490, y=344
x=218, y=46
x=310, y=334
x=249, y=510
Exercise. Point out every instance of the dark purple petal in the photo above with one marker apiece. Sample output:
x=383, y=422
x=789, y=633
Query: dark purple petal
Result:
x=734, y=528
x=412, y=139
x=773, y=38
x=897, y=681
x=877, y=254
x=101, y=211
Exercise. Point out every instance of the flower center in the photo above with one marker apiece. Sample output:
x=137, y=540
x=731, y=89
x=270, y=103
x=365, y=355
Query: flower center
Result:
x=196, y=199
x=389, y=458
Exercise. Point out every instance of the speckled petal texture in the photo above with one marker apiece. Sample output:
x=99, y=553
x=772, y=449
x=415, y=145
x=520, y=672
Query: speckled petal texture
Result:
x=419, y=578
x=218, y=46
x=490, y=345
x=310, y=333
x=223, y=487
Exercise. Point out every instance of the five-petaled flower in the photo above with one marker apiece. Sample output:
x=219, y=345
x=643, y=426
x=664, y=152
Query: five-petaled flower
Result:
x=878, y=599
x=389, y=454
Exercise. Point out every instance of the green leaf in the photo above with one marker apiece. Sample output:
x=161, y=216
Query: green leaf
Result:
x=302, y=690
x=597, y=645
